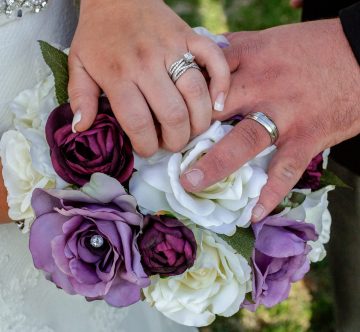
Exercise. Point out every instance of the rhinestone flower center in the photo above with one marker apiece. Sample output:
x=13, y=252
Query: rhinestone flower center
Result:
x=97, y=241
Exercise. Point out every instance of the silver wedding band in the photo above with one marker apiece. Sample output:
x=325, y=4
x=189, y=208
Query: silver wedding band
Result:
x=179, y=67
x=267, y=123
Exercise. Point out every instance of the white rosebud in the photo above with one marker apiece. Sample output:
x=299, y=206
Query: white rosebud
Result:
x=215, y=285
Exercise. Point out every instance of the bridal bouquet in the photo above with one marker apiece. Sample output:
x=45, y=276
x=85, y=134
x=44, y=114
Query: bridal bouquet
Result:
x=109, y=225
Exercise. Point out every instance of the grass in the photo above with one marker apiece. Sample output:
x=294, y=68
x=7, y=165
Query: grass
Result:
x=233, y=15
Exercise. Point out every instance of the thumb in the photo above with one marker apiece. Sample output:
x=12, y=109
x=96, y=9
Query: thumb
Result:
x=83, y=93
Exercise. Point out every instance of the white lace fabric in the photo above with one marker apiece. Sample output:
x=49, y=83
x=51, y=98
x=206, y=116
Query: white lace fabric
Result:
x=28, y=302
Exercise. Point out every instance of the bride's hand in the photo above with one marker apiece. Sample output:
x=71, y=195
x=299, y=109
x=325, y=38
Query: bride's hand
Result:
x=306, y=78
x=125, y=48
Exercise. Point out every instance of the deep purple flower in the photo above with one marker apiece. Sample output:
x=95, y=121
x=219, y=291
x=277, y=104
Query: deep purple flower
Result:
x=85, y=241
x=279, y=259
x=311, y=177
x=167, y=246
x=235, y=119
x=103, y=148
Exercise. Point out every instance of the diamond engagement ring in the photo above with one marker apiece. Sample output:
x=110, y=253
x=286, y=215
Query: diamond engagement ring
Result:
x=267, y=123
x=179, y=67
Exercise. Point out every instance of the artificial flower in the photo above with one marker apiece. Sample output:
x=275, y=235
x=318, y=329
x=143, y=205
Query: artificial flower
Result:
x=103, y=148
x=215, y=285
x=85, y=241
x=166, y=245
x=221, y=207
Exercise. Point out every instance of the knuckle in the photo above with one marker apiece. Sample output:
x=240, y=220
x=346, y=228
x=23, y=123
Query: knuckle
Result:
x=213, y=48
x=218, y=162
x=197, y=129
x=249, y=46
x=115, y=67
x=195, y=87
x=248, y=135
x=272, y=194
x=75, y=92
x=142, y=51
x=271, y=73
x=137, y=124
x=175, y=146
x=176, y=116
x=148, y=151
x=289, y=170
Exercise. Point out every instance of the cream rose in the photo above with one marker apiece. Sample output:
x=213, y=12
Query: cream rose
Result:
x=19, y=176
x=221, y=207
x=32, y=107
x=215, y=285
x=314, y=210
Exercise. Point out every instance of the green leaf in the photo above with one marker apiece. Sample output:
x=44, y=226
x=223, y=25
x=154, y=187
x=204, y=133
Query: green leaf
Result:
x=329, y=178
x=58, y=63
x=242, y=241
x=292, y=200
x=248, y=296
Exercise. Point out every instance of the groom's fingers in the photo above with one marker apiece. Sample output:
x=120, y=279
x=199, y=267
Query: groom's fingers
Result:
x=83, y=93
x=243, y=143
x=285, y=170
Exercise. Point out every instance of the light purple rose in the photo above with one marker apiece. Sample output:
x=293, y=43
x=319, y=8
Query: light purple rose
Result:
x=312, y=175
x=279, y=259
x=85, y=241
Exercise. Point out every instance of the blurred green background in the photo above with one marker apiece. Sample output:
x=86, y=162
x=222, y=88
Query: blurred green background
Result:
x=310, y=305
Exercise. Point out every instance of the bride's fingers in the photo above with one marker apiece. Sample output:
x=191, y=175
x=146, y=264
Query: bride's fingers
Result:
x=169, y=108
x=194, y=90
x=83, y=93
x=132, y=112
x=285, y=170
x=210, y=56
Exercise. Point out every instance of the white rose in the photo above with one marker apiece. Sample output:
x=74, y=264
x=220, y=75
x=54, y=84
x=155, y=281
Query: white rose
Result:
x=32, y=107
x=220, y=207
x=20, y=177
x=314, y=210
x=215, y=285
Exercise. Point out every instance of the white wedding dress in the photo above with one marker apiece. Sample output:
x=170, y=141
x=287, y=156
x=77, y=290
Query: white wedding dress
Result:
x=28, y=302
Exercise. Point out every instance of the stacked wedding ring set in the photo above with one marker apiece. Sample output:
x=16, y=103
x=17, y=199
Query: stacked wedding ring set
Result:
x=179, y=67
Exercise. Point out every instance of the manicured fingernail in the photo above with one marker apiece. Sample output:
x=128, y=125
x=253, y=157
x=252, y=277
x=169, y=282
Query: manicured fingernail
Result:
x=258, y=212
x=76, y=120
x=194, y=176
x=219, y=102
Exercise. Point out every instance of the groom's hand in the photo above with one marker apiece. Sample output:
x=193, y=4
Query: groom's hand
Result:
x=303, y=76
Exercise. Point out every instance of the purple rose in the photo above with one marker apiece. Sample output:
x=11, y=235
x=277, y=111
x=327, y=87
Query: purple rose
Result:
x=103, y=148
x=167, y=246
x=279, y=259
x=85, y=241
x=311, y=177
